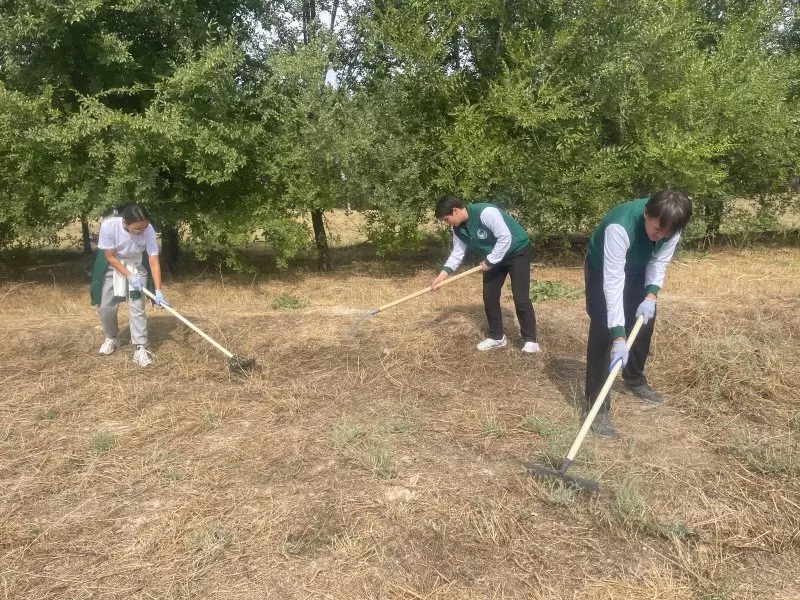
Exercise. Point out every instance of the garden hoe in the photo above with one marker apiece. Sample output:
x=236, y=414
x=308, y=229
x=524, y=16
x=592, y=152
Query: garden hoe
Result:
x=236, y=364
x=582, y=484
x=375, y=311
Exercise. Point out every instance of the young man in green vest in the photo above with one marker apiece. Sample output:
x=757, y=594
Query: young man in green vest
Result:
x=625, y=267
x=505, y=247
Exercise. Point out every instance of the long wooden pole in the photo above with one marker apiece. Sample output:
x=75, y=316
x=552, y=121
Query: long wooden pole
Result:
x=186, y=321
x=375, y=311
x=587, y=423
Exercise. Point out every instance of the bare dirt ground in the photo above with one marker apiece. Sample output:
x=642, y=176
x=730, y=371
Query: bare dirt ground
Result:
x=387, y=463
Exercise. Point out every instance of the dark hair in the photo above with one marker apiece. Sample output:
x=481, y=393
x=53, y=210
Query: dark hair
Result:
x=446, y=204
x=672, y=209
x=133, y=213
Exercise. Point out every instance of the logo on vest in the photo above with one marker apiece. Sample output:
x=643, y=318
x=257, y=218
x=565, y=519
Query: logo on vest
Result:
x=481, y=234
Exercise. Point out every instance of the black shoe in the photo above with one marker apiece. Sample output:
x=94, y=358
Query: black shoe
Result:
x=645, y=392
x=601, y=425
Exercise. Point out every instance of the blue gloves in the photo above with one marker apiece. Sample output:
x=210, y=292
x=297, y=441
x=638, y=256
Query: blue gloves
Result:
x=619, y=352
x=647, y=309
x=135, y=282
x=160, y=300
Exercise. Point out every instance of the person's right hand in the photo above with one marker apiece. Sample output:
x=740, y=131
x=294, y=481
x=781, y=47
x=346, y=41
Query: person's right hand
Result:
x=437, y=281
x=135, y=282
x=619, y=352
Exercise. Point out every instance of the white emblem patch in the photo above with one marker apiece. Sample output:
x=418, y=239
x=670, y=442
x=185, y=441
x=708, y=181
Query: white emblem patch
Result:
x=482, y=234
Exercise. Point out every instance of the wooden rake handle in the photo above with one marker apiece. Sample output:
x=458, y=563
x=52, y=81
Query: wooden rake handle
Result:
x=600, y=397
x=186, y=321
x=375, y=311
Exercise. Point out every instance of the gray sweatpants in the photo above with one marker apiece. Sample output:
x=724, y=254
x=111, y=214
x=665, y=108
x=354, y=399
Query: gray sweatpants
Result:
x=108, y=313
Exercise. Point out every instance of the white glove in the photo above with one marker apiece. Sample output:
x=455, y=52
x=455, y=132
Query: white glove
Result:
x=160, y=300
x=619, y=352
x=647, y=309
x=135, y=282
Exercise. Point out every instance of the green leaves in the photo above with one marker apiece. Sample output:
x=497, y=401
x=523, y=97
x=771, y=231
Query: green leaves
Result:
x=218, y=118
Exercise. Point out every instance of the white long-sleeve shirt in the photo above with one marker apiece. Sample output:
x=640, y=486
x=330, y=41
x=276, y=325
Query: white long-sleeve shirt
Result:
x=615, y=249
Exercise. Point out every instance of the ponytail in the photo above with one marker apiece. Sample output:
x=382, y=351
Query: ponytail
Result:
x=133, y=213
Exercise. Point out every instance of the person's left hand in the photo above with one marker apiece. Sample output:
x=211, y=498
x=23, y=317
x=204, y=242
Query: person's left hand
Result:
x=485, y=266
x=647, y=309
x=160, y=300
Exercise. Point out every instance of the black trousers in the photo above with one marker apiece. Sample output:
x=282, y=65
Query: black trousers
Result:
x=518, y=265
x=598, y=349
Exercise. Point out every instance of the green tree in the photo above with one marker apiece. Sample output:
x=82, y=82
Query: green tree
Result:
x=217, y=115
x=154, y=103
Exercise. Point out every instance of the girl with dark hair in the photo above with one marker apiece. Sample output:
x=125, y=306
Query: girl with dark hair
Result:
x=119, y=274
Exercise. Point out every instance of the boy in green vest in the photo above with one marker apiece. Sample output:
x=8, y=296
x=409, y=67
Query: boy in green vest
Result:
x=624, y=271
x=491, y=233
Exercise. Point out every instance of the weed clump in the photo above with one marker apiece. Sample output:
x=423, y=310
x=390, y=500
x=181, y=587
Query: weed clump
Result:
x=103, y=441
x=365, y=449
x=492, y=424
x=630, y=509
x=765, y=457
x=289, y=302
x=554, y=290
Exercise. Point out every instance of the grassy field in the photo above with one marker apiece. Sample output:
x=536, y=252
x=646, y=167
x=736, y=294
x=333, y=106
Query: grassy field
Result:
x=386, y=463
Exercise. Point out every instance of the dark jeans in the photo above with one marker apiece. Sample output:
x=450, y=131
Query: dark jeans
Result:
x=598, y=349
x=518, y=265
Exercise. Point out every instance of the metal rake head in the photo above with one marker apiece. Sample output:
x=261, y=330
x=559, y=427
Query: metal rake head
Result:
x=580, y=483
x=240, y=366
x=359, y=320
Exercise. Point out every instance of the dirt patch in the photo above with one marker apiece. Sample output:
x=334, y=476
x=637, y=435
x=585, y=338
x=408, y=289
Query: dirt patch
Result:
x=387, y=463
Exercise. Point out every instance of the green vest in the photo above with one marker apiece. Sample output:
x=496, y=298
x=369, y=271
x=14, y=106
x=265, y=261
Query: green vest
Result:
x=630, y=216
x=482, y=241
x=99, y=273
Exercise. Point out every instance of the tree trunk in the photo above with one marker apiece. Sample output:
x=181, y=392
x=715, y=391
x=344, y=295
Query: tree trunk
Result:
x=320, y=237
x=87, y=242
x=306, y=22
x=455, y=42
x=498, y=41
x=712, y=211
x=334, y=8
x=170, y=248
x=324, y=262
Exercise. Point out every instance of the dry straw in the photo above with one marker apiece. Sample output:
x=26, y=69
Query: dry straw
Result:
x=388, y=465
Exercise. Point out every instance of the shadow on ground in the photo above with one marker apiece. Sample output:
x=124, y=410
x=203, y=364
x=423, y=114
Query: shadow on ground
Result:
x=567, y=376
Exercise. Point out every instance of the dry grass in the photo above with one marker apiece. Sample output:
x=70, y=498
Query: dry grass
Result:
x=387, y=464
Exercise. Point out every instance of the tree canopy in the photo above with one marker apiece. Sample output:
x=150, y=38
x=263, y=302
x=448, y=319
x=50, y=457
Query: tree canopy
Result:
x=238, y=118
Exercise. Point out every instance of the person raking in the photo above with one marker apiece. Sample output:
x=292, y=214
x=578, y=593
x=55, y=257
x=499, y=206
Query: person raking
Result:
x=623, y=273
x=119, y=274
x=505, y=249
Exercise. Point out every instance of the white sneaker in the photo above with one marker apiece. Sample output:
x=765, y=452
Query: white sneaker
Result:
x=142, y=356
x=531, y=348
x=490, y=344
x=109, y=346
